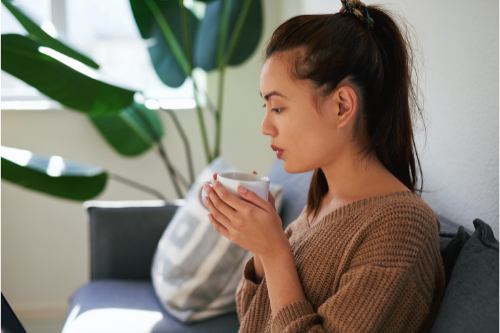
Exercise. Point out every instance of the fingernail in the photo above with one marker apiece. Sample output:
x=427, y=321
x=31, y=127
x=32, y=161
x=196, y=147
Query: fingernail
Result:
x=241, y=189
x=206, y=200
x=205, y=187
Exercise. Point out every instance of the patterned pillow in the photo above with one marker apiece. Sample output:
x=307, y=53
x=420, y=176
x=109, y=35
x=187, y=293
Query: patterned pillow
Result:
x=196, y=270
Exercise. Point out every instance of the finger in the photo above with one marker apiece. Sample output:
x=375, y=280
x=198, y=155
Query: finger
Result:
x=220, y=203
x=221, y=229
x=254, y=198
x=232, y=203
x=215, y=176
x=216, y=213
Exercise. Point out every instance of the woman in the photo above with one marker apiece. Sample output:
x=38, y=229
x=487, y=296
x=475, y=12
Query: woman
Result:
x=363, y=256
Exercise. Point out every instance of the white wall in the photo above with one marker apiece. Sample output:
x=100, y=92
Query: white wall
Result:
x=45, y=240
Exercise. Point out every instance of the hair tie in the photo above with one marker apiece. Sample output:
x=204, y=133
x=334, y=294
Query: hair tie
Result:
x=357, y=8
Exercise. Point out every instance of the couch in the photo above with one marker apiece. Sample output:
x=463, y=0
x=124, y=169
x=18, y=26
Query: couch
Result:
x=124, y=235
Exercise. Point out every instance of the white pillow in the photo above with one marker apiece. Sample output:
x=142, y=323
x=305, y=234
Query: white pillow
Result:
x=195, y=269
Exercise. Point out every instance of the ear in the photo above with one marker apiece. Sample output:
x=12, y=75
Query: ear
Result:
x=347, y=102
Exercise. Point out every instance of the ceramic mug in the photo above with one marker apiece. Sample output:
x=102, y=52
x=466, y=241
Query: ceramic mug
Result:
x=231, y=180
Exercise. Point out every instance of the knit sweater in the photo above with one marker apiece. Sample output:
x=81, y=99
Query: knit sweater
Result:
x=372, y=265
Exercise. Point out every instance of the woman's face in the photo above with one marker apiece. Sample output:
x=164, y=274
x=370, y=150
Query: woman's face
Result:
x=309, y=139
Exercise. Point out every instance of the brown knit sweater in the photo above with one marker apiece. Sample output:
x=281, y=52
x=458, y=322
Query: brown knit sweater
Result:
x=372, y=265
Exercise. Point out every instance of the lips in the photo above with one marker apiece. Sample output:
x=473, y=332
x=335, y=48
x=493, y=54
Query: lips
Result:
x=273, y=147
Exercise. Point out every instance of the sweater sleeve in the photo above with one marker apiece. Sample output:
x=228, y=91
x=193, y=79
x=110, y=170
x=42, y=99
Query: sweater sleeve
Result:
x=395, y=283
x=247, y=287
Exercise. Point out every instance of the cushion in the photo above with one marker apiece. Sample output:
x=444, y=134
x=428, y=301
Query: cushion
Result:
x=470, y=303
x=450, y=247
x=119, y=306
x=195, y=270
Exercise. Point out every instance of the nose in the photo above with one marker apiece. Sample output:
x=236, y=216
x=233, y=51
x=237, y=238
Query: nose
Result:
x=267, y=127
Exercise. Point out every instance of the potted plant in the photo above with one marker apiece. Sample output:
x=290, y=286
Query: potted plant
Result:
x=227, y=35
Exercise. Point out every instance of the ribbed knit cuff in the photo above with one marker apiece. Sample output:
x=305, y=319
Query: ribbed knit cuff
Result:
x=289, y=314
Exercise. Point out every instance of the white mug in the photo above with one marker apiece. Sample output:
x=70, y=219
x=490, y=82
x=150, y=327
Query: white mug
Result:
x=231, y=180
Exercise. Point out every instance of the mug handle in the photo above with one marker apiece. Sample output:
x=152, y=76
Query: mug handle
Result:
x=200, y=188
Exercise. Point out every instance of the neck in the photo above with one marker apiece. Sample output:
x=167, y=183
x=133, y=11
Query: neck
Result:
x=349, y=178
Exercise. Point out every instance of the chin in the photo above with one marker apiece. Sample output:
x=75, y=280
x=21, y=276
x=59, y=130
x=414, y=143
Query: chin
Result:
x=295, y=167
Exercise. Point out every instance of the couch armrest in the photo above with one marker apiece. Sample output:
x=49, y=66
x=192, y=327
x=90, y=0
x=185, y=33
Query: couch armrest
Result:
x=124, y=236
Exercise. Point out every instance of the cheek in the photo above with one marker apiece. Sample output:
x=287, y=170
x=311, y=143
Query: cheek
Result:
x=309, y=138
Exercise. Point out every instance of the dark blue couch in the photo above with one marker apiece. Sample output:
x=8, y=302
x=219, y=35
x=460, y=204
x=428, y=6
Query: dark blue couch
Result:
x=124, y=235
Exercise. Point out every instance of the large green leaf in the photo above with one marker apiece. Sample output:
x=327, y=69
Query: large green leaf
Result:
x=52, y=174
x=32, y=26
x=164, y=60
x=205, y=51
x=130, y=132
x=23, y=58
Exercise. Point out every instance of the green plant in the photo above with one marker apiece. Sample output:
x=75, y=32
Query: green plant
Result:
x=227, y=35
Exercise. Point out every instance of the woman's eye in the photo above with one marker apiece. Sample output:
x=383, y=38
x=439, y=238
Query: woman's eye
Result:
x=275, y=110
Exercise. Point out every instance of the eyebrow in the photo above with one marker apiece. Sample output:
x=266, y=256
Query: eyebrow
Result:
x=272, y=93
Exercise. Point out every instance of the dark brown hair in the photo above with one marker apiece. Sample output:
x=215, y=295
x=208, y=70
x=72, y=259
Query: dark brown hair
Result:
x=382, y=65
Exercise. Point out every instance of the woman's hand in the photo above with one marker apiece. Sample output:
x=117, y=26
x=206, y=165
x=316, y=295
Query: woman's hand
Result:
x=252, y=223
x=257, y=263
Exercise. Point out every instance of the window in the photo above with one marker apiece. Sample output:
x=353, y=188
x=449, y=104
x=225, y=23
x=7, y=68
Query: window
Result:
x=105, y=31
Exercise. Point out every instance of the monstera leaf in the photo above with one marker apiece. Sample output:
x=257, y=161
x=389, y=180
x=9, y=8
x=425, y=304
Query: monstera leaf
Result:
x=131, y=131
x=206, y=53
x=52, y=175
x=168, y=50
x=237, y=24
x=32, y=26
x=129, y=127
x=76, y=86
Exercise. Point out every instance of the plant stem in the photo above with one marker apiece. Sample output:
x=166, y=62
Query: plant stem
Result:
x=221, y=45
x=185, y=33
x=201, y=121
x=163, y=154
x=186, y=142
x=218, y=116
x=222, y=65
x=183, y=180
x=157, y=139
x=224, y=22
x=136, y=185
x=187, y=46
x=211, y=106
